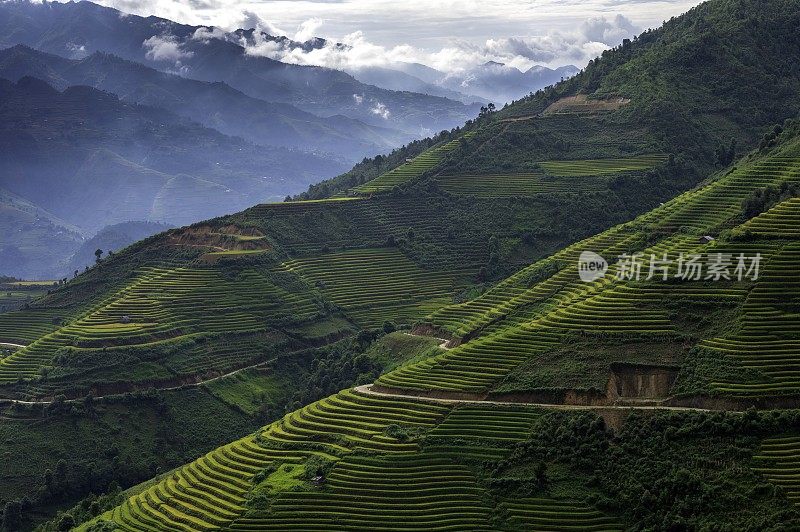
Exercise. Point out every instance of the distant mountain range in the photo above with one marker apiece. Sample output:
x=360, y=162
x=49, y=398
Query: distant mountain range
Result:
x=396, y=79
x=78, y=29
x=88, y=160
x=108, y=118
x=214, y=105
x=490, y=82
x=502, y=83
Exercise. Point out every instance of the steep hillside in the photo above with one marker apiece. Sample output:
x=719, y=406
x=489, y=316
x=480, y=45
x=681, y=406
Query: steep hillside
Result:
x=76, y=29
x=32, y=239
x=92, y=159
x=701, y=87
x=250, y=318
x=214, y=105
x=508, y=431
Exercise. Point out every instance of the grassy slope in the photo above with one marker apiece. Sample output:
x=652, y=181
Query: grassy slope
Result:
x=711, y=330
x=512, y=468
x=432, y=228
x=715, y=73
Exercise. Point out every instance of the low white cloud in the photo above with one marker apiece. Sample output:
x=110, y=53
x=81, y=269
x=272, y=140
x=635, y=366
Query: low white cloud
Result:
x=380, y=110
x=449, y=35
x=358, y=98
x=165, y=48
x=610, y=32
x=206, y=34
x=308, y=29
x=252, y=20
x=354, y=51
x=422, y=23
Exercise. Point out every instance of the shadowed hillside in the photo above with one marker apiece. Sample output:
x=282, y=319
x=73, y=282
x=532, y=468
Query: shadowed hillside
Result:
x=263, y=321
x=471, y=437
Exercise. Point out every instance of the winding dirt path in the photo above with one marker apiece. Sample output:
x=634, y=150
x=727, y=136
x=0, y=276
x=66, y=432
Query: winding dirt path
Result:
x=442, y=345
x=367, y=390
x=164, y=388
x=7, y=344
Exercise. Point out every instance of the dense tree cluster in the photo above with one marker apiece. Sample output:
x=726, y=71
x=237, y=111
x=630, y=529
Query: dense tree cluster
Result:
x=662, y=471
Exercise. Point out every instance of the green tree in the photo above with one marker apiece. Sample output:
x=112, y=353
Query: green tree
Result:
x=66, y=522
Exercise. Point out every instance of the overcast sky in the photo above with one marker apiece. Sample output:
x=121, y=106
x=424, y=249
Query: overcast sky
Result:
x=445, y=34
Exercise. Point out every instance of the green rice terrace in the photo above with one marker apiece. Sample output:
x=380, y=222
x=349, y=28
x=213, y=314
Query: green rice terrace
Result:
x=554, y=177
x=242, y=310
x=15, y=294
x=437, y=442
x=462, y=438
x=411, y=169
x=378, y=285
x=414, y=345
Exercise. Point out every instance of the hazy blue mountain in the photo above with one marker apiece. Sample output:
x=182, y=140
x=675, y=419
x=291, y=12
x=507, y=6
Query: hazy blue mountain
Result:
x=78, y=29
x=502, y=83
x=31, y=239
x=390, y=78
x=93, y=160
x=215, y=105
x=490, y=82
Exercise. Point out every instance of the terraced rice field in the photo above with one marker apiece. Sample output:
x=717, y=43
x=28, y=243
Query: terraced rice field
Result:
x=519, y=318
x=584, y=176
x=699, y=212
x=165, y=303
x=25, y=326
x=375, y=285
x=778, y=460
x=211, y=491
x=480, y=432
x=780, y=222
x=524, y=288
x=768, y=341
x=404, y=464
x=719, y=203
x=558, y=515
x=409, y=170
x=474, y=366
x=364, y=223
x=596, y=167
x=515, y=185
x=376, y=482
x=365, y=493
